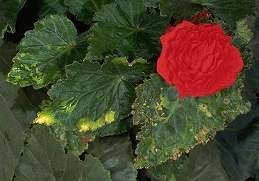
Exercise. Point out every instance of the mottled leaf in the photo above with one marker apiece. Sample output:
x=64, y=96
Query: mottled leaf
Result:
x=45, y=51
x=125, y=29
x=44, y=159
x=85, y=9
x=116, y=156
x=171, y=126
x=94, y=95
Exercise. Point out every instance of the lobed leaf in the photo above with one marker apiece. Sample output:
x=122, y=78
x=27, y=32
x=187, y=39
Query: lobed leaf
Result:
x=45, y=51
x=125, y=29
x=94, y=95
x=85, y=9
x=43, y=159
x=171, y=126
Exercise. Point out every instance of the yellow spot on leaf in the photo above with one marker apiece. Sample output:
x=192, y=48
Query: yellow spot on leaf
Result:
x=203, y=108
x=45, y=118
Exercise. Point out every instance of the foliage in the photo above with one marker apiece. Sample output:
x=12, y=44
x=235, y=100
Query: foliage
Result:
x=105, y=110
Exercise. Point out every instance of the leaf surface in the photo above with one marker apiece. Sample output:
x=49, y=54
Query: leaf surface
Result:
x=85, y=9
x=16, y=114
x=8, y=15
x=116, y=156
x=125, y=29
x=52, y=7
x=94, y=95
x=44, y=159
x=231, y=10
x=45, y=51
x=171, y=126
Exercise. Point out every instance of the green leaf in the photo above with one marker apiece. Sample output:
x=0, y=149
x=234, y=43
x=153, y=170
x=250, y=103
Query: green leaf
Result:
x=125, y=29
x=184, y=8
x=231, y=10
x=116, y=156
x=116, y=127
x=44, y=159
x=8, y=15
x=94, y=95
x=204, y=163
x=52, y=7
x=85, y=9
x=171, y=126
x=16, y=113
x=151, y=3
x=45, y=51
x=168, y=170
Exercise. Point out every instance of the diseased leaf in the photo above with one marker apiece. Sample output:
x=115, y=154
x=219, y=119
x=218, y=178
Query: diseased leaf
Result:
x=116, y=156
x=204, y=163
x=85, y=9
x=8, y=15
x=171, y=126
x=94, y=95
x=125, y=29
x=184, y=8
x=43, y=159
x=52, y=7
x=45, y=51
x=231, y=10
x=16, y=114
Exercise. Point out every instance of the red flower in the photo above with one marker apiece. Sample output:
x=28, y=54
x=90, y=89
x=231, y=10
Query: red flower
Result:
x=198, y=59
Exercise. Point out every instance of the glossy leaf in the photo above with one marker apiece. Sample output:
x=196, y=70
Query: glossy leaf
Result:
x=125, y=29
x=16, y=114
x=171, y=126
x=204, y=163
x=85, y=9
x=8, y=15
x=44, y=159
x=94, y=95
x=116, y=156
x=52, y=7
x=231, y=10
x=45, y=51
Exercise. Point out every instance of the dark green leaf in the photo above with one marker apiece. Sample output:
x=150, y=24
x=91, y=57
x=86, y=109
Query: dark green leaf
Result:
x=168, y=170
x=43, y=159
x=85, y=9
x=239, y=150
x=172, y=126
x=204, y=163
x=45, y=51
x=151, y=3
x=16, y=113
x=185, y=8
x=231, y=10
x=8, y=15
x=125, y=29
x=52, y=7
x=116, y=156
x=94, y=95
